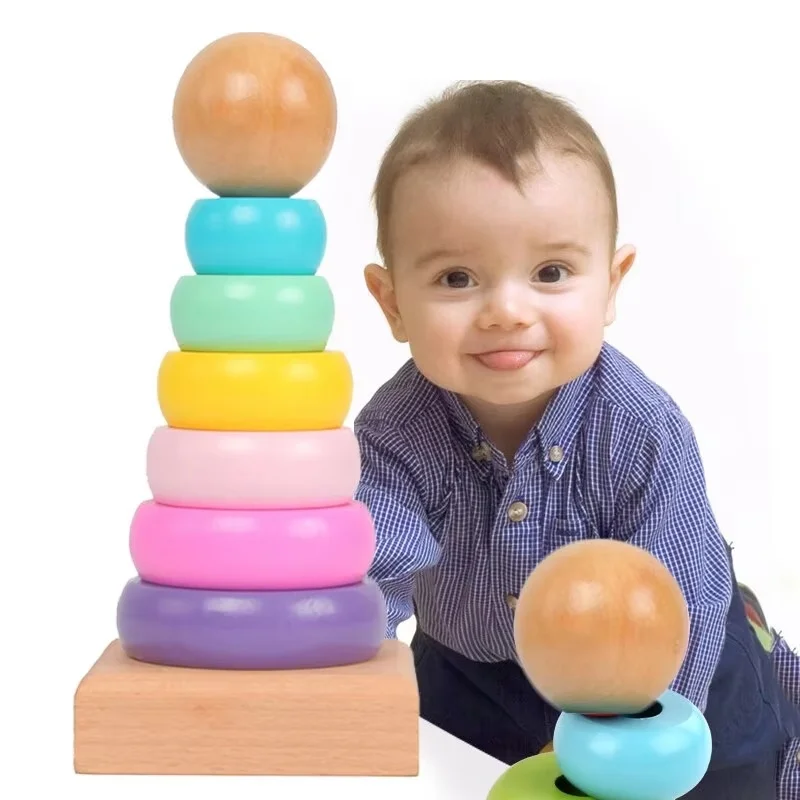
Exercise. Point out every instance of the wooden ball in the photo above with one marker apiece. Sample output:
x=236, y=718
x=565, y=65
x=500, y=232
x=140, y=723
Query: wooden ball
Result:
x=601, y=627
x=254, y=115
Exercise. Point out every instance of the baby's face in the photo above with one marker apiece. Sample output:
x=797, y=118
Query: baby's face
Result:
x=502, y=295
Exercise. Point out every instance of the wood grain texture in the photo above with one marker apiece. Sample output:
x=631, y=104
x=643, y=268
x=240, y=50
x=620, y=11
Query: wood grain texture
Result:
x=254, y=114
x=601, y=627
x=137, y=718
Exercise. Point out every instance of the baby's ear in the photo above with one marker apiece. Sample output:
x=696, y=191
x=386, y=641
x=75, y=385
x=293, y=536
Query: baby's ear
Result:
x=620, y=266
x=380, y=286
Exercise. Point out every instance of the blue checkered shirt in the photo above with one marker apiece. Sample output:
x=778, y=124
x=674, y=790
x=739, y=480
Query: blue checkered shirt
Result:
x=459, y=529
x=787, y=664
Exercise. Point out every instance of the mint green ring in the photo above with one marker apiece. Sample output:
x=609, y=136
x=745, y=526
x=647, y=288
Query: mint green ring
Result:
x=252, y=313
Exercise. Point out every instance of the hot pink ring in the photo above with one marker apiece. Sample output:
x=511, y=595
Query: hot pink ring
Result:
x=253, y=469
x=232, y=549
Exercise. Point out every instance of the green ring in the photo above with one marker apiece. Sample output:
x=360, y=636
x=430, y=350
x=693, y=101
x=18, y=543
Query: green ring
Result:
x=533, y=778
x=252, y=313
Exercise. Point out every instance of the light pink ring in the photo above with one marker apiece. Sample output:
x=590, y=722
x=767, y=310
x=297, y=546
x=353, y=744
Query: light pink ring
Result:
x=253, y=469
x=232, y=549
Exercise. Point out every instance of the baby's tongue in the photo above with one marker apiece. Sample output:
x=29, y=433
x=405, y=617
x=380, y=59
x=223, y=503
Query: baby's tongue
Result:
x=506, y=359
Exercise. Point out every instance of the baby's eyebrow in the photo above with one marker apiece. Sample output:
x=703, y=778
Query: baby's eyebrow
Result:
x=437, y=254
x=564, y=246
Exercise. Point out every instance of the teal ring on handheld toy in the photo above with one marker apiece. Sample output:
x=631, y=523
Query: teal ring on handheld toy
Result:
x=645, y=757
x=255, y=236
x=252, y=313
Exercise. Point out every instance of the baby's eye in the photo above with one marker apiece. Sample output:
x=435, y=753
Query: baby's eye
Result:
x=455, y=279
x=550, y=273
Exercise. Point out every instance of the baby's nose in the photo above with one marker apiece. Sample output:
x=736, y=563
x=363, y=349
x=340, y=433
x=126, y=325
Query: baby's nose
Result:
x=508, y=310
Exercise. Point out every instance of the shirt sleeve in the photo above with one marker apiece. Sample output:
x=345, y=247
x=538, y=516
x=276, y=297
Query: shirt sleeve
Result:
x=391, y=486
x=664, y=508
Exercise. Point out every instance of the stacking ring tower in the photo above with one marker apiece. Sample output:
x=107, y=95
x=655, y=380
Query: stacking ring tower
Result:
x=251, y=640
x=601, y=630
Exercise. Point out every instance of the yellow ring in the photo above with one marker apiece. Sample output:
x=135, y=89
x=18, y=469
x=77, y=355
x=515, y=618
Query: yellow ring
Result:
x=255, y=391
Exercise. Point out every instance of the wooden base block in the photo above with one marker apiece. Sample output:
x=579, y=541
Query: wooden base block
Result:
x=137, y=718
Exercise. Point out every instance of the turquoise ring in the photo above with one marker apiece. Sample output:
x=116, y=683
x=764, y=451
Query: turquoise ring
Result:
x=662, y=753
x=255, y=236
x=252, y=313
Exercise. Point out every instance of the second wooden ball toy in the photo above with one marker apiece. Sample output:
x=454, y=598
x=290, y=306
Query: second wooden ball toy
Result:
x=601, y=627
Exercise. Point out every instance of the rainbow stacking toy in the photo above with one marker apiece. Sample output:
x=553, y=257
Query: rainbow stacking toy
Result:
x=601, y=630
x=252, y=640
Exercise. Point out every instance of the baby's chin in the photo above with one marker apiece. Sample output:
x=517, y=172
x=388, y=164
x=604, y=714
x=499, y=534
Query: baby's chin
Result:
x=517, y=393
x=507, y=397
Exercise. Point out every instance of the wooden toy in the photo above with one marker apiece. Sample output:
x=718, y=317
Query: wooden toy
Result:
x=251, y=640
x=254, y=115
x=620, y=609
x=601, y=630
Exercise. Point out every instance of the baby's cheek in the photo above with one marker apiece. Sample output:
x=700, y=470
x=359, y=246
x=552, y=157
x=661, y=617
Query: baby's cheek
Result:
x=578, y=310
x=579, y=333
x=445, y=328
x=431, y=342
x=572, y=320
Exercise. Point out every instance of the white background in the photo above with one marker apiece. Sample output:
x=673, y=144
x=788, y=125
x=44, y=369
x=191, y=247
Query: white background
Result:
x=697, y=107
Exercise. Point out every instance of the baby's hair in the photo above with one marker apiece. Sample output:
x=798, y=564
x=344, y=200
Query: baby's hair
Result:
x=503, y=124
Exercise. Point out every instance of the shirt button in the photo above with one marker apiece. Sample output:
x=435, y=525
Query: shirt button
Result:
x=555, y=454
x=511, y=601
x=482, y=452
x=517, y=511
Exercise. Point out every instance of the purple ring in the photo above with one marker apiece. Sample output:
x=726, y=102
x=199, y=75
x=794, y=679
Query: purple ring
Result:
x=260, y=630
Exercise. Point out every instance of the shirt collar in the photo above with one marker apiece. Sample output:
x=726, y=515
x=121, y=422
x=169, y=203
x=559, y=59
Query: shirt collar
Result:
x=552, y=440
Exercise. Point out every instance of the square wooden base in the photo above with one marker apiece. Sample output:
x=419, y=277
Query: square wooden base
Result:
x=137, y=718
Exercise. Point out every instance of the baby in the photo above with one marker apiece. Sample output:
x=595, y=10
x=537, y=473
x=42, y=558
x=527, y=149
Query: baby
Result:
x=515, y=429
